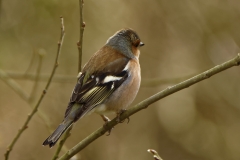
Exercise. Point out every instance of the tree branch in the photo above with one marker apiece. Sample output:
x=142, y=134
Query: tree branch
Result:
x=18, y=90
x=61, y=143
x=1, y=11
x=155, y=154
x=145, y=103
x=25, y=125
x=70, y=79
x=14, y=85
x=79, y=45
x=36, y=82
x=42, y=77
x=80, y=42
x=31, y=62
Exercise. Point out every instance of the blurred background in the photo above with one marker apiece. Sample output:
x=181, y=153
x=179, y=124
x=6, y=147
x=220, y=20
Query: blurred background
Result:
x=182, y=38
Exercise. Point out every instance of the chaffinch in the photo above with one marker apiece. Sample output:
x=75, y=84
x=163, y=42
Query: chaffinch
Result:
x=109, y=81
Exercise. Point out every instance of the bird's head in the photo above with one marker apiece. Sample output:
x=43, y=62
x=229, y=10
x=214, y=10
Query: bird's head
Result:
x=127, y=42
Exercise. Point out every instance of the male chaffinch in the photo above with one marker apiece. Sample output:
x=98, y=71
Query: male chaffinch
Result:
x=109, y=81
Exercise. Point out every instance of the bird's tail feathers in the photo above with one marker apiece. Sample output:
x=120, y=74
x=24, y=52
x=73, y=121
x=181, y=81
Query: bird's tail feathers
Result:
x=53, y=138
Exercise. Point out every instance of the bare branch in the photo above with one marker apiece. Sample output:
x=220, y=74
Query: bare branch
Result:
x=42, y=77
x=0, y=10
x=61, y=143
x=18, y=90
x=80, y=42
x=155, y=154
x=79, y=45
x=70, y=79
x=36, y=82
x=31, y=62
x=145, y=103
x=25, y=125
x=14, y=85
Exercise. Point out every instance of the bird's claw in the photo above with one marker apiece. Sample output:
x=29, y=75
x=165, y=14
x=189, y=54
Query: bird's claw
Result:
x=109, y=131
x=119, y=114
x=106, y=120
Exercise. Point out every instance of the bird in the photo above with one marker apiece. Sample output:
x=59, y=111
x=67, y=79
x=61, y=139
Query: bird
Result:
x=108, y=82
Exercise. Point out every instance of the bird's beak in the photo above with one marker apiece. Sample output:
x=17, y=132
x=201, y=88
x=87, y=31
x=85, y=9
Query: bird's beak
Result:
x=141, y=44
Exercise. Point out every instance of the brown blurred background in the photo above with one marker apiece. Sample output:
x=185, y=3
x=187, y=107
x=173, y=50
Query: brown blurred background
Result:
x=182, y=38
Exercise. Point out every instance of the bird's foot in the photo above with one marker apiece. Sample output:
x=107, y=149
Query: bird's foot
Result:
x=106, y=120
x=119, y=113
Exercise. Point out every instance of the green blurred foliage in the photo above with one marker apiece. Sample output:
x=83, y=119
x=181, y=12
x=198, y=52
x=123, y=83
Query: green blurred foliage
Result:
x=181, y=37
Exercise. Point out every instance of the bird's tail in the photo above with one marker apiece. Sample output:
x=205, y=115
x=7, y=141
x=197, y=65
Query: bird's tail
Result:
x=53, y=138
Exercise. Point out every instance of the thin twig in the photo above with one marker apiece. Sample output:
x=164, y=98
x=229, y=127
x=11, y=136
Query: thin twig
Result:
x=70, y=79
x=80, y=42
x=61, y=143
x=25, y=125
x=155, y=154
x=1, y=11
x=79, y=45
x=42, y=77
x=36, y=82
x=145, y=103
x=31, y=62
x=17, y=89
x=14, y=85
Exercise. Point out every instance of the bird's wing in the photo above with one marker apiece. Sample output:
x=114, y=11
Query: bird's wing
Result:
x=98, y=86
